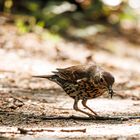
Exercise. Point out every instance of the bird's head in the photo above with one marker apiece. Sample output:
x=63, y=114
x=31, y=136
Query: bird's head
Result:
x=106, y=80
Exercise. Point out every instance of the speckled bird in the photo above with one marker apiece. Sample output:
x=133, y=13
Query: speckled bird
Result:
x=83, y=82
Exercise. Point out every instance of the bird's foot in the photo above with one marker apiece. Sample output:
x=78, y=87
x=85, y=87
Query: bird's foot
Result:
x=93, y=116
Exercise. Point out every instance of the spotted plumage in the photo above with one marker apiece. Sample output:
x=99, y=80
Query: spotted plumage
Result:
x=83, y=82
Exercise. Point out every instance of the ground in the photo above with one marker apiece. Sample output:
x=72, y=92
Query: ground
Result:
x=27, y=102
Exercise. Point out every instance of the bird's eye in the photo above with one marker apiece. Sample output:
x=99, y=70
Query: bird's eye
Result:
x=101, y=80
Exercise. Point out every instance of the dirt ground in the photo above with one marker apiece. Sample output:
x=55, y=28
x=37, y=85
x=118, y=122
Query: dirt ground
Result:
x=26, y=101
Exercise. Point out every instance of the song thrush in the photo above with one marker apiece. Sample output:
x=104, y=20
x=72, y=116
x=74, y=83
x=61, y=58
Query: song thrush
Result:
x=83, y=82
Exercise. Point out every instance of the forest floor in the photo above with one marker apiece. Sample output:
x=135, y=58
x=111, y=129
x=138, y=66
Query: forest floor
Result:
x=26, y=101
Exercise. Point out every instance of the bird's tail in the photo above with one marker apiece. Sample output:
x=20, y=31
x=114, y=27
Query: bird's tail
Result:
x=52, y=77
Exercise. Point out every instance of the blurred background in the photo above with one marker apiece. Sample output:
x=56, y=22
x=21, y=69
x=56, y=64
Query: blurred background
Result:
x=71, y=31
x=60, y=32
x=37, y=36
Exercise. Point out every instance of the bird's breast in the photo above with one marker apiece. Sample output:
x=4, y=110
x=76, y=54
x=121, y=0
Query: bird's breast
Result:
x=82, y=89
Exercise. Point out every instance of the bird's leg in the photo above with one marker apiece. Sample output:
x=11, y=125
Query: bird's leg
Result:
x=75, y=106
x=85, y=105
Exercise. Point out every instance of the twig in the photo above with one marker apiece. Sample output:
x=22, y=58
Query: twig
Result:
x=116, y=118
x=22, y=131
x=31, y=131
x=25, y=131
x=75, y=130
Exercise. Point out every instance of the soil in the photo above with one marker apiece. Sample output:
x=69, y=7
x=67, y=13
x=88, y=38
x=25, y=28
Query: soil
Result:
x=26, y=101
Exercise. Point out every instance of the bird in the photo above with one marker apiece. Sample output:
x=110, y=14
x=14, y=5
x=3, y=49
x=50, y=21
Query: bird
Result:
x=83, y=82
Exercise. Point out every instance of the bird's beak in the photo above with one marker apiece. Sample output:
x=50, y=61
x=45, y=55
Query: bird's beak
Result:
x=111, y=92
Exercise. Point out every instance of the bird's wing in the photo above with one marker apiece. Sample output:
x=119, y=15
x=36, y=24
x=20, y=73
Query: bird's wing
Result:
x=75, y=73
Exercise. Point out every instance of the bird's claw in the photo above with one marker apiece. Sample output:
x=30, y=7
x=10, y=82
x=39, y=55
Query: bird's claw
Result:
x=93, y=116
